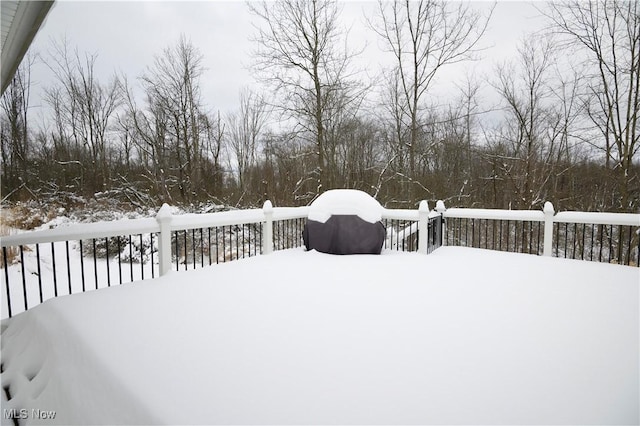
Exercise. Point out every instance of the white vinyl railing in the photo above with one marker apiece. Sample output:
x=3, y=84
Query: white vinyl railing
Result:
x=550, y=221
x=69, y=259
x=153, y=246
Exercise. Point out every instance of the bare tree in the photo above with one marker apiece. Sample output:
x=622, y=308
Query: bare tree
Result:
x=151, y=140
x=301, y=56
x=245, y=128
x=14, y=137
x=608, y=32
x=540, y=110
x=171, y=120
x=83, y=108
x=423, y=36
x=214, y=135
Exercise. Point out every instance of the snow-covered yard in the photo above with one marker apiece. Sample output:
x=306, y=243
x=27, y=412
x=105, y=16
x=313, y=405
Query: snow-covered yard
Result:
x=462, y=336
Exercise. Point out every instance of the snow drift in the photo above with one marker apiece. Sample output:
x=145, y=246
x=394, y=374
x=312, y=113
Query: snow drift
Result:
x=462, y=336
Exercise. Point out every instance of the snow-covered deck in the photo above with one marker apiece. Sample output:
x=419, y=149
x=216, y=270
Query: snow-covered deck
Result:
x=463, y=336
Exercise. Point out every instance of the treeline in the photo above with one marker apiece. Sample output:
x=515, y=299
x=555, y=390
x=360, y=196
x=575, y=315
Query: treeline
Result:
x=565, y=128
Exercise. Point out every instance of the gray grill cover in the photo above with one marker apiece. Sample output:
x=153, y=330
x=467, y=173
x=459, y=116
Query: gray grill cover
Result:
x=344, y=234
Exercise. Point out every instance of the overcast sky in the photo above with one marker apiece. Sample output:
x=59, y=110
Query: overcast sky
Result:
x=127, y=34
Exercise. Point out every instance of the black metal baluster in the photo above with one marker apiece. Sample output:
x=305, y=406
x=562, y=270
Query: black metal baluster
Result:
x=177, y=252
x=473, y=232
x=81, y=265
x=119, y=259
x=575, y=238
x=106, y=240
x=66, y=243
x=209, y=251
x=40, y=272
x=253, y=240
x=131, y=256
x=193, y=246
x=201, y=249
x=601, y=230
x=217, y=246
x=493, y=235
x=243, y=242
x=584, y=228
x=283, y=229
x=629, y=247
x=237, y=235
x=566, y=239
x=620, y=242
x=55, y=278
x=224, y=245
x=610, y=242
x=591, y=251
x=6, y=278
x=508, y=233
x=24, y=278
x=95, y=263
x=486, y=234
x=142, y=258
x=153, y=274
x=186, y=254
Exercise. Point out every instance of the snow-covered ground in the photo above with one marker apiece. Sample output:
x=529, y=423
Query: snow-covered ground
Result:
x=462, y=336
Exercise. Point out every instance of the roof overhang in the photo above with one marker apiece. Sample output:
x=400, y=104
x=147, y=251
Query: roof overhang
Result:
x=20, y=23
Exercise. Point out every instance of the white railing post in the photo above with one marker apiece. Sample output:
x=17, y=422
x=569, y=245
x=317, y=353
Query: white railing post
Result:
x=548, y=228
x=164, y=247
x=423, y=227
x=440, y=208
x=267, y=241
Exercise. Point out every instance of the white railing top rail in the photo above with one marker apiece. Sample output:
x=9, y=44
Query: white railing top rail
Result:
x=87, y=231
x=624, y=219
x=287, y=213
x=596, y=218
x=495, y=214
x=83, y=231
x=400, y=214
x=233, y=217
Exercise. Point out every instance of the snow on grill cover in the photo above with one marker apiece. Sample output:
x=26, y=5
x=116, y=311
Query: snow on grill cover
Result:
x=344, y=221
